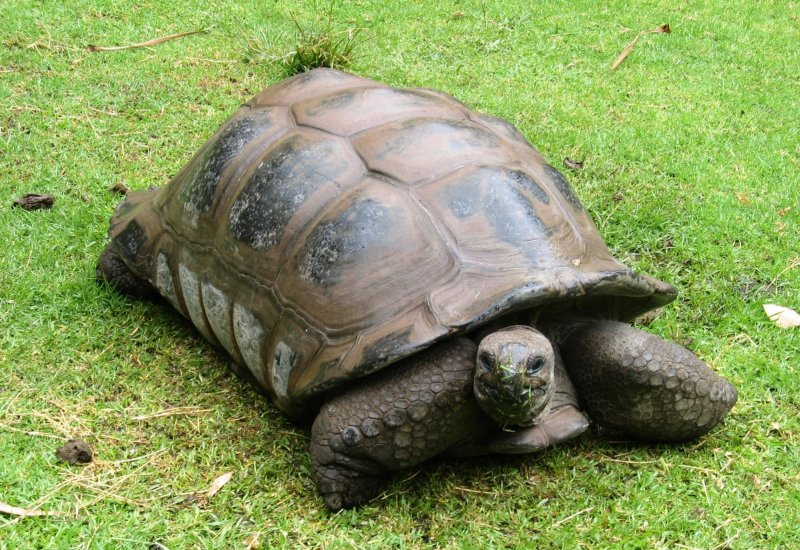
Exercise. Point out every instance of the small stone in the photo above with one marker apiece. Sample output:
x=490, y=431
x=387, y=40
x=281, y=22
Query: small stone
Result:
x=75, y=451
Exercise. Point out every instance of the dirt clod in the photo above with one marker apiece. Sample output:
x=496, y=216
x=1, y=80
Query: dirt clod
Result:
x=119, y=188
x=34, y=201
x=75, y=451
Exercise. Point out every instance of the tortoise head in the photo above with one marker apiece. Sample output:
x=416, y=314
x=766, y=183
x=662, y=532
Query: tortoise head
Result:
x=514, y=375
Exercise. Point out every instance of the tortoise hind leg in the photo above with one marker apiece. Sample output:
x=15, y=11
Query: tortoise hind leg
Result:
x=111, y=269
x=398, y=418
x=635, y=382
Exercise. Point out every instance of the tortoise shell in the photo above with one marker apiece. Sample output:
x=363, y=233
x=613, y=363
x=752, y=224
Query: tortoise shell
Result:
x=334, y=225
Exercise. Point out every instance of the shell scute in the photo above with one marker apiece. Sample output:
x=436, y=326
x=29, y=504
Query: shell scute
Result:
x=189, y=205
x=421, y=149
x=309, y=84
x=338, y=113
x=290, y=183
x=371, y=255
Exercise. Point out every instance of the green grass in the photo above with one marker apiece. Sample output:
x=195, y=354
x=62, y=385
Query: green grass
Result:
x=692, y=171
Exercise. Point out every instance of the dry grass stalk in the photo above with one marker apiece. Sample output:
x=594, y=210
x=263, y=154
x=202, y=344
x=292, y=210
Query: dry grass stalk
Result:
x=629, y=48
x=146, y=44
x=174, y=411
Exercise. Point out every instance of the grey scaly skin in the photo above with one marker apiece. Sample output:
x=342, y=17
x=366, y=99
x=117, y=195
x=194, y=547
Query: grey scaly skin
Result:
x=437, y=402
x=634, y=382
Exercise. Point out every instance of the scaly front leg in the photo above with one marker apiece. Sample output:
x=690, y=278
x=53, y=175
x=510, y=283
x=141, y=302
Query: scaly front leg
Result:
x=635, y=382
x=397, y=418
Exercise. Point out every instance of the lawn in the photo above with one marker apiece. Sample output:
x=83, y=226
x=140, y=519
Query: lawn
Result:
x=691, y=168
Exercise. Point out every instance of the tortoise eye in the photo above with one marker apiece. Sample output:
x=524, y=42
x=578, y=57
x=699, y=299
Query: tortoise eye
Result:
x=534, y=365
x=486, y=360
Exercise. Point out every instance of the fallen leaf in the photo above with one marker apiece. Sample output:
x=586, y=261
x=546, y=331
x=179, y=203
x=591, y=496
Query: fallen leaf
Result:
x=743, y=199
x=629, y=48
x=784, y=211
x=573, y=164
x=24, y=512
x=252, y=541
x=218, y=484
x=34, y=201
x=782, y=316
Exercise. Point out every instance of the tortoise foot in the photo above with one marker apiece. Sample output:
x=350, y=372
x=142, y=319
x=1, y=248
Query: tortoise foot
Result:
x=343, y=480
x=111, y=269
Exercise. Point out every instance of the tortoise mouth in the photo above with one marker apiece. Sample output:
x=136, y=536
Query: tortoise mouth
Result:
x=513, y=404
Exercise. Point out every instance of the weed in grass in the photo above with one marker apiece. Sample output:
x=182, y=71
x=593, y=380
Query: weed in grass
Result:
x=327, y=46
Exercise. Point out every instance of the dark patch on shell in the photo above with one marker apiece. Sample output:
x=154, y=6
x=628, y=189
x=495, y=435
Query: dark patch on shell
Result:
x=198, y=192
x=525, y=182
x=287, y=176
x=131, y=239
x=563, y=186
x=337, y=244
x=505, y=198
x=389, y=344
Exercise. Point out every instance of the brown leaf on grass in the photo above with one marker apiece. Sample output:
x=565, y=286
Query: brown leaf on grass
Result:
x=252, y=541
x=783, y=317
x=573, y=164
x=26, y=513
x=218, y=484
x=34, y=201
x=629, y=48
x=201, y=498
x=783, y=211
x=147, y=44
x=743, y=199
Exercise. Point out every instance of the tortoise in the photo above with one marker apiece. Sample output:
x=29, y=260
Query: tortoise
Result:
x=410, y=274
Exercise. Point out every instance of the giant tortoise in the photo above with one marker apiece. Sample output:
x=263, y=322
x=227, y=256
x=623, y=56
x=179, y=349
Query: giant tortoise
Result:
x=411, y=273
